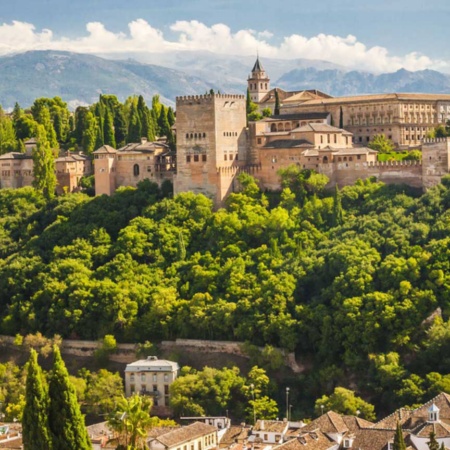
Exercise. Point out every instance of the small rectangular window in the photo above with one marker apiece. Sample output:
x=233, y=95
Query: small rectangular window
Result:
x=188, y=158
x=204, y=158
x=195, y=158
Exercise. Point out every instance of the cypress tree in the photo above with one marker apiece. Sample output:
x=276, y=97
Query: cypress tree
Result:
x=108, y=130
x=248, y=103
x=277, y=103
x=35, y=427
x=120, y=127
x=171, y=116
x=341, y=118
x=433, y=444
x=67, y=425
x=134, y=126
x=43, y=165
x=338, y=214
x=399, y=442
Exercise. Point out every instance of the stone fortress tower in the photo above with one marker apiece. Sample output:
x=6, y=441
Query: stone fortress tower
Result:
x=258, y=82
x=211, y=144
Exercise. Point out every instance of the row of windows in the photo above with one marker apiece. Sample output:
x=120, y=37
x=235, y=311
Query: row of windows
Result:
x=17, y=173
x=255, y=86
x=230, y=157
x=195, y=135
x=230, y=133
x=154, y=377
x=375, y=130
x=195, y=158
x=209, y=440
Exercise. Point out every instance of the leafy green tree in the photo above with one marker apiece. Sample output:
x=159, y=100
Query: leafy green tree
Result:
x=68, y=431
x=131, y=420
x=399, y=441
x=35, y=426
x=381, y=144
x=266, y=112
x=103, y=390
x=344, y=401
x=43, y=165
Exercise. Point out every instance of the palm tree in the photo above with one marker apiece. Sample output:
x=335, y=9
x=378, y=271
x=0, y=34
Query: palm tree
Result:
x=131, y=420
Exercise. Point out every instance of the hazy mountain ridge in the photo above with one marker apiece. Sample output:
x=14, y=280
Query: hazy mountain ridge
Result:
x=337, y=82
x=80, y=78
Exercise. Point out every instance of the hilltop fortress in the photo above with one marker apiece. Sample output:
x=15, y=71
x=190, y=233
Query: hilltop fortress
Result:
x=215, y=144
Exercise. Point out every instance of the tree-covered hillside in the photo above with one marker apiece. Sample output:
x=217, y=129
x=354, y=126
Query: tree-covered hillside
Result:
x=348, y=279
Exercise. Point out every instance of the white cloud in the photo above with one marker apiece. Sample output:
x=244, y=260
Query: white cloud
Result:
x=194, y=35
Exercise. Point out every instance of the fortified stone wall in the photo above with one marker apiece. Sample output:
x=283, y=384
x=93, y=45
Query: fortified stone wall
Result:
x=435, y=160
x=211, y=135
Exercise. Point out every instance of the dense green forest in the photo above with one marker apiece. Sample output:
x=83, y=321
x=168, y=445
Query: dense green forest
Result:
x=106, y=122
x=347, y=279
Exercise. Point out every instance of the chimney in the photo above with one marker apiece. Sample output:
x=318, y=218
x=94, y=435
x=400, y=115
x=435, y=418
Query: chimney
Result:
x=143, y=140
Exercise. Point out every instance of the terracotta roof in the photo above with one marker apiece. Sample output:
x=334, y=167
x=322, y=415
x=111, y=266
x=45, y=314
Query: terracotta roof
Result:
x=441, y=429
x=297, y=116
x=378, y=97
x=15, y=155
x=319, y=127
x=234, y=434
x=315, y=440
x=143, y=147
x=288, y=143
x=413, y=418
x=329, y=422
x=271, y=426
x=185, y=434
x=370, y=439
x=106, y=149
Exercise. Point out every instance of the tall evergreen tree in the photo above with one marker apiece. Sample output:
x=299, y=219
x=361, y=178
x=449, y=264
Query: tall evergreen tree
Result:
x=108, y=130
x=341, y=118
x=338, y=214
x=35, y=427
x=399, y=442
x=43, y=165
x=17, y=112
x=433, y=444
x=89, y=133
x=120, y=127
x=277, y=103
x=134, y=126
x=248, y=103
x=68, y=430
x=171, y=116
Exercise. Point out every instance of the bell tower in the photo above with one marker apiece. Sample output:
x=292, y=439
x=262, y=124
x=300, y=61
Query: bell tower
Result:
x=258, y=82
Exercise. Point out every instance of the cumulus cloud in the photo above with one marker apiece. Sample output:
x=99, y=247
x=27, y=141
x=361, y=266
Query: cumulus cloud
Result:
x=219, y=38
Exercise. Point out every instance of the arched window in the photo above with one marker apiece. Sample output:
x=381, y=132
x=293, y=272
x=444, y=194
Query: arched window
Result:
x=136, y=170
x=187, y=135
x=325, y=159
x=204, y=135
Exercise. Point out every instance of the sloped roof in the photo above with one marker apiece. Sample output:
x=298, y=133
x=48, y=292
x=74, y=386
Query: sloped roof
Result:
x=155, y=365
x=185, y=434
x=288, y=143
x=297, y=116
x=271, y=426
x=15, y=155
x=234, y=434
x=329, y=422
x=315, y=440
x=320, y=128
x=378, y=97
x=105, y=149
x=258, y=66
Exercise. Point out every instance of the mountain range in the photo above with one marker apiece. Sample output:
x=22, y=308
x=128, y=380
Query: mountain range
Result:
x=80, y=78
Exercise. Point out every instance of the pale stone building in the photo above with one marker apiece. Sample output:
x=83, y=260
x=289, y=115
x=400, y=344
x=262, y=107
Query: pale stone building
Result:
x=197, y=436
x=151, y=376
x=131, y=164
x=70, y=168
x=211, y=144
x=404, y=118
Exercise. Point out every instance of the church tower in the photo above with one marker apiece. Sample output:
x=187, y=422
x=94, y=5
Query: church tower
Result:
x=258, y=82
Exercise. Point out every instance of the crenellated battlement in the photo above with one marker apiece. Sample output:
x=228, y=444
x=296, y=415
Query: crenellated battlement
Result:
x=402, y=164
x=207, y=98
x=431, y=141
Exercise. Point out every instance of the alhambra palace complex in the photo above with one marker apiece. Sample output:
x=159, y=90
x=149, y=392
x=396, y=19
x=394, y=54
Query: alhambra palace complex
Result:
x=312, y=130
x=214, y=142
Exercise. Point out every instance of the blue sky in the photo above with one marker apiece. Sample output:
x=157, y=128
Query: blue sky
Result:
x=407, y=31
